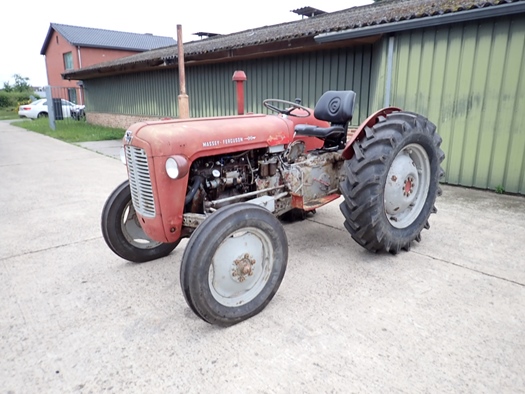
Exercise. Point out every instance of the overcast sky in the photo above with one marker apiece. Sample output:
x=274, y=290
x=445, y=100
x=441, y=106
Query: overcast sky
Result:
x=24, y=24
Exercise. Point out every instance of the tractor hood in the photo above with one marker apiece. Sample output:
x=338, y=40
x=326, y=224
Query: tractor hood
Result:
x=198, y=137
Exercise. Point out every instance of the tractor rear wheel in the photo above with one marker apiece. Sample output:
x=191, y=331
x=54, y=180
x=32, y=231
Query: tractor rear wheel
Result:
x=391, y=182
x=122, y=232
x=233, y=264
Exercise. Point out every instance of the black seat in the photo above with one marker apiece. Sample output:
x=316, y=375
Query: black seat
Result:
x=336, y=107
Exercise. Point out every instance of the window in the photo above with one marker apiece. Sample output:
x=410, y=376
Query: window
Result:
x=72, y=95
x=68, y=61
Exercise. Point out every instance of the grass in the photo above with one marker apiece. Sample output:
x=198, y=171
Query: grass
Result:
x=8, y=113
x=72, y=131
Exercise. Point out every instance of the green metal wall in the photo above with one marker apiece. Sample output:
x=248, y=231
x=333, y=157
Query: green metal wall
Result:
x=468, y=79
x=212, y=92
x=150, y=94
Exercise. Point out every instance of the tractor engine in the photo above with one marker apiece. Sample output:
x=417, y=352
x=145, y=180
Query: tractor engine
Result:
x=225, y=179
x=262, y=174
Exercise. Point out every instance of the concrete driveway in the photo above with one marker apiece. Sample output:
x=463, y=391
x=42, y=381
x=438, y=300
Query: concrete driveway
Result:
x=448, y=316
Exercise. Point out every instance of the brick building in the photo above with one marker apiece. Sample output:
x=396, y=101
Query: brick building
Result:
x=67, y=48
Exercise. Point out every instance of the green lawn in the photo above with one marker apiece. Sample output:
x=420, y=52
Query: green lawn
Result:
x=8, y=113
x=72, y=131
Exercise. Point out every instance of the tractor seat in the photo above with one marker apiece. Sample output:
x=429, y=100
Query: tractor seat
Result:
x=334, y=106
x=319, y=132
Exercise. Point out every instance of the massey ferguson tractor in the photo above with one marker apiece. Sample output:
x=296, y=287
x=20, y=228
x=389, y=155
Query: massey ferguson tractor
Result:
x=224, y=182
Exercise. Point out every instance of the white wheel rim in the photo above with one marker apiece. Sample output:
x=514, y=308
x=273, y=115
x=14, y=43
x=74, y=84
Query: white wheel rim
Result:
x=241, y=267
x=132, y=231
x=407, y=185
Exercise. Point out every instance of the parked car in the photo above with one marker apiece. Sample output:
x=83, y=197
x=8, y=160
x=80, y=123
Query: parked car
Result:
x=78, y=113
x=38, y=109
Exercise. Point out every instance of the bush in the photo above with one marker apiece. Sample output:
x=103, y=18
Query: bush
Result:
x=5, y=100
x=14, y=99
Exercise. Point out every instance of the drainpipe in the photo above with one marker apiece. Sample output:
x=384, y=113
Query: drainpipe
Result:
x=80, y=66
x=184, y=106
x=389, y=64
x=79, y=58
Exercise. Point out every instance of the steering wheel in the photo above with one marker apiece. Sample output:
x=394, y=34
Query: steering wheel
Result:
x=287, y=111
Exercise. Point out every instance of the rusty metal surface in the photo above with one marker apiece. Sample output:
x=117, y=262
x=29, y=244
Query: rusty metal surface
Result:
x=193, y=220
x=243, y=267
x=369, y=122
x=239, y=77
x=314, y=181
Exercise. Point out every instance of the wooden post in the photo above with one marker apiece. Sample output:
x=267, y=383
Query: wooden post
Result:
x=184, y=105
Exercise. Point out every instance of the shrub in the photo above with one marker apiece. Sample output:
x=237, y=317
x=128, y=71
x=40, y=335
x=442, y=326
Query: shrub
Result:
x=14, y=99
x=5, y=100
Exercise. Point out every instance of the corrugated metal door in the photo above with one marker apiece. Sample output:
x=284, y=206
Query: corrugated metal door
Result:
x=469, y=79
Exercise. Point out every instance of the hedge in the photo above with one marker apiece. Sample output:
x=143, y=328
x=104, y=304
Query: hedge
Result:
x=14, y=99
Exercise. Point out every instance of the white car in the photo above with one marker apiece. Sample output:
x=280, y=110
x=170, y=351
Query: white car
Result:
x=38, y=109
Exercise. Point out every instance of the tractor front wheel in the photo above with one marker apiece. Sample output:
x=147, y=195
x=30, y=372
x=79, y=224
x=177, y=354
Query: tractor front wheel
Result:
x=233, y=264
x=122, y=232
x=391, y=182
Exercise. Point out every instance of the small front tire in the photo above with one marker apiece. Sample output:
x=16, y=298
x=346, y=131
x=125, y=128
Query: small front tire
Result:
x=122, y=232
x=234, y=264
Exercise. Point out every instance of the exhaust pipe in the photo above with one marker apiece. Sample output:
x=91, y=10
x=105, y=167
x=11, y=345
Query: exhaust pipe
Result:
x=239, y=77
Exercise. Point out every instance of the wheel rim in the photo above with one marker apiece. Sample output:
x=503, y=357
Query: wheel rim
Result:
x=241, y=267
x=133, y=232
x=407, y=185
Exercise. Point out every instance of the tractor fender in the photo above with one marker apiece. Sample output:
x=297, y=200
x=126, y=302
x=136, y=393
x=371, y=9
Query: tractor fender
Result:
x=348, y=152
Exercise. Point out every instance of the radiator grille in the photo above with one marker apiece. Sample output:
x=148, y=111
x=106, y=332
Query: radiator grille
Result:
x=140, y=182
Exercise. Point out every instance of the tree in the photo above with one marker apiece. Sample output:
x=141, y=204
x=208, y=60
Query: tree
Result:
x=7, y=88
x=21, y=85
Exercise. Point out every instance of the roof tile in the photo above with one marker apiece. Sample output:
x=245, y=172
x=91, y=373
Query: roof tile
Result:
x=101, y=38
x=383, y=12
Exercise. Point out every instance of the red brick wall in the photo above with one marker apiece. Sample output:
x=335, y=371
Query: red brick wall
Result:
x=90, y=56
x=55, y=60
x=58, y=46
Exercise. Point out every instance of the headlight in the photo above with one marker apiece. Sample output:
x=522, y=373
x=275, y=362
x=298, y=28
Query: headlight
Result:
x=172, y=168
x=177, y=166
x=122, y=156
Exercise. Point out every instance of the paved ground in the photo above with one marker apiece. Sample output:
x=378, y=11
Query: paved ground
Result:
x=108, y=148
x=448, y=316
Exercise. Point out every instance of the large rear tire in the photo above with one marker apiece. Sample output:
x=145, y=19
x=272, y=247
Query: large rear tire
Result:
x=122, y=232
x=234, y=264
x=391, y=182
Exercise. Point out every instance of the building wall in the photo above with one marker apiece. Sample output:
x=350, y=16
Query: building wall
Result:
x=117, y=121
x=470, y=80
x=212, y=92
x=467, y=78
x=90, y=56
x=55, y=51
x=58, y=45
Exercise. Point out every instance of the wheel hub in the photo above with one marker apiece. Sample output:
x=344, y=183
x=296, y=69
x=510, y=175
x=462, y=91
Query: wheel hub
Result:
x=240, y=267
x=406, y=186
x=243, y=267
x=401, y=183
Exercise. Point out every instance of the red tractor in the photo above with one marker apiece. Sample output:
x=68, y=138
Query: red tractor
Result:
x=223, y=182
